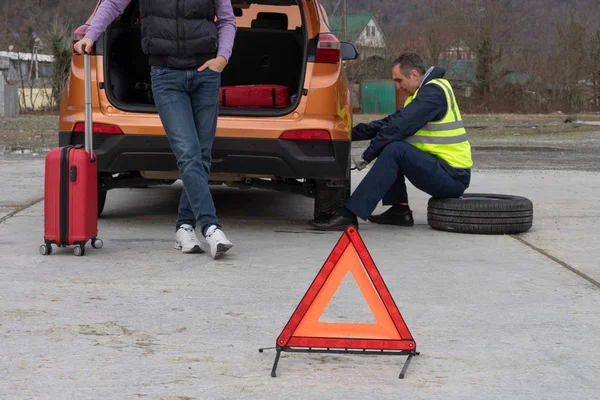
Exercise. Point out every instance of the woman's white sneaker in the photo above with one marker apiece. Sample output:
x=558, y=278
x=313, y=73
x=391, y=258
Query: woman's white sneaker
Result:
x=186, y=240
x=218, y=242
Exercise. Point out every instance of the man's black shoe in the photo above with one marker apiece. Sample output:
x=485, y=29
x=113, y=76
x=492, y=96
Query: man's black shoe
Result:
x=394, y=217
x=337, y=222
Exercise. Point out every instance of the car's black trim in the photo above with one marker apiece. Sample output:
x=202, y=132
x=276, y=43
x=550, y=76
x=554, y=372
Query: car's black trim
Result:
x=99, y=45
x=311, y=50
x=244, y=156
x=314, y=42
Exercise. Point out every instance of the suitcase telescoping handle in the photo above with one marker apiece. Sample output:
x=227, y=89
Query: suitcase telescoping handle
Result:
x=87, y=72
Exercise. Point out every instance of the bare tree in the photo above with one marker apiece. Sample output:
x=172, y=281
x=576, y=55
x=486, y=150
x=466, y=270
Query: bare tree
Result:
x=485, y=27
x=4, y=35
x=594, y=70
x=429, y=31
x=437, y=22
x=569, y=60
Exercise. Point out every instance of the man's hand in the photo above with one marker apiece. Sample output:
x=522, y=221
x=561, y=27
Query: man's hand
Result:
x=217, y=64
x=84, y=44
x=359, y=162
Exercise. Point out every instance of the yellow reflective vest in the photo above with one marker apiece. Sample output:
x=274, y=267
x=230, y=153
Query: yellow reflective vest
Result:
x=447, y=138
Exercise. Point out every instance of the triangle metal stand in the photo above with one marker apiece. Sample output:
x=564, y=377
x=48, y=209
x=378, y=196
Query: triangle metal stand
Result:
x=410, y=355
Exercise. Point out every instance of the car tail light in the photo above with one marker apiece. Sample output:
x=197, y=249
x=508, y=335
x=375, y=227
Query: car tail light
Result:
x=98, y=128
x=79, y=34
x=308, y=134
x=329, y=49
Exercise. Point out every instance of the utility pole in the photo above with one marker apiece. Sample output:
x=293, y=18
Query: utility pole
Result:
x=344, y=19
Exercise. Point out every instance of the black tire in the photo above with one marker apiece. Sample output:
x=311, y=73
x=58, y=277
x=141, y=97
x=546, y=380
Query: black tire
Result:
x=101, y=201
x=79, y=250
x=481, y=214
x=46, y=249
x=329, y=199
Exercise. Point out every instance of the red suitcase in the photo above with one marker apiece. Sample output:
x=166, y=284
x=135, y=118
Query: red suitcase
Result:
x=254, y=96
x=71, y=190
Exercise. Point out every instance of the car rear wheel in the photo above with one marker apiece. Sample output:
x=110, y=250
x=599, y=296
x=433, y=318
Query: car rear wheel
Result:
x=481, y=214
x=329, y=199
x=101, y=201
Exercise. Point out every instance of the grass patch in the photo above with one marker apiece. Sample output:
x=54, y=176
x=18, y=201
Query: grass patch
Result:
x=29, y=131
x=502, y=125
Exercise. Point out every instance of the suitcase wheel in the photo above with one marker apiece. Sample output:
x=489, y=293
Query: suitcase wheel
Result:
x=97, y=243
x=46, y=249
x=79, y=250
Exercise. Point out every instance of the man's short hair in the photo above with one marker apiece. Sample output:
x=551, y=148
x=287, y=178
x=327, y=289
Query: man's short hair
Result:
x=410, y=61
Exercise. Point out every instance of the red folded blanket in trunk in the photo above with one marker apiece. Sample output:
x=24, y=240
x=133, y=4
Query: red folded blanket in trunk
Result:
x=254, y=96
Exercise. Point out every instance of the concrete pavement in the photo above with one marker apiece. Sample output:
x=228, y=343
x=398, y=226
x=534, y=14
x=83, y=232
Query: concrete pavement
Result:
x=495, y=317
x=22, y=183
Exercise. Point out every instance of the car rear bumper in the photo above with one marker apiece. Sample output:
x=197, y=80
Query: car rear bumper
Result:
x=244, y=156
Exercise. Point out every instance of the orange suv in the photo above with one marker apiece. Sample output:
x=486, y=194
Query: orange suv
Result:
x=304, y=148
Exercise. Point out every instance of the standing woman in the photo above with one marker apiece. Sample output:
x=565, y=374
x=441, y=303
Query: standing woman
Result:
x=187, y=50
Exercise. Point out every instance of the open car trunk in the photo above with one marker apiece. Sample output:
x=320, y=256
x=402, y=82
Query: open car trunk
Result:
x=267, y=50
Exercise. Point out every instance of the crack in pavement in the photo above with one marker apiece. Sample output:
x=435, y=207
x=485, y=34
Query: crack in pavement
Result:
x=558, y=261
x=22, y=207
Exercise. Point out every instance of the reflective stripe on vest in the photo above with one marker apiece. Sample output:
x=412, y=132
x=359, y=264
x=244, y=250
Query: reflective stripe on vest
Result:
x=447, y=138
x=438, y=140
x=443, y=127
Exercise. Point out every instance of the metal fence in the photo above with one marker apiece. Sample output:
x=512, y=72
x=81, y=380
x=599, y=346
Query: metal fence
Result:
x=377, y=97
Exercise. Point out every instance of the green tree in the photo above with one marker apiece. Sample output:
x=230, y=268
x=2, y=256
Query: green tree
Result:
x=60, y=44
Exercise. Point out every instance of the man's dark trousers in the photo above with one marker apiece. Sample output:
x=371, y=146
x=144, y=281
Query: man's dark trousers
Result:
x=385, y=181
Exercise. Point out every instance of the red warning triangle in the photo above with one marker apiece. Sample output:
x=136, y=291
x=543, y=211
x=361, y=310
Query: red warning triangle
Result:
x=389, y=332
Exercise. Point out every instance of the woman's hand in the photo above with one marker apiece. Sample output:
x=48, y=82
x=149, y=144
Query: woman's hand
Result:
x=217, y=64
x=84, y=44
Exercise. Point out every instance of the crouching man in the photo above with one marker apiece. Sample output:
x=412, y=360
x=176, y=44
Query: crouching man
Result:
x=425, y=142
